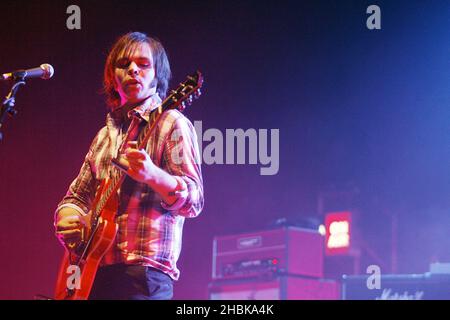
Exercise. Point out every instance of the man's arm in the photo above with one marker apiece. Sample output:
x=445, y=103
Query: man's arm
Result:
x=71, y=212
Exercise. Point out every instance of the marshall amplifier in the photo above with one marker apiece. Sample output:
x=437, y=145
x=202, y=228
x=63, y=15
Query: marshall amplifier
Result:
x=287, y=250
x=398, y=287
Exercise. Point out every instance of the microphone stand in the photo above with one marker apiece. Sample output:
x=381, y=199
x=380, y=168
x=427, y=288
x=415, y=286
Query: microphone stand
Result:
x=8, y=103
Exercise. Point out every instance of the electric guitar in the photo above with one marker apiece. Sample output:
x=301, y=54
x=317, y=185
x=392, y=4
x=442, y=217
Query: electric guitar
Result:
x=81, y=260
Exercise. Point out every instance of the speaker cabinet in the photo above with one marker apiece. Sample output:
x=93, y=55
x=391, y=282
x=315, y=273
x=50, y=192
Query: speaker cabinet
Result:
x=274, y=288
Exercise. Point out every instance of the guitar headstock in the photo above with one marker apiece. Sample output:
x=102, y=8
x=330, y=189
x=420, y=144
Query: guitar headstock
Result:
x=187, y=91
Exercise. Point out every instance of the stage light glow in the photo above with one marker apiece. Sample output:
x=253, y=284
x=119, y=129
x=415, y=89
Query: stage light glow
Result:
x=322, y=230
x=337, y=233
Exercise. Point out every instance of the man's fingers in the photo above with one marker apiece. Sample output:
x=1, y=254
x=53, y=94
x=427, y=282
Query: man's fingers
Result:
x=66, y=227
x=132, y=144
x=72, y=219
x=135, y=163
x=60, y=226
x=123, y=162
x=135, y=154
x=68, y=233
x=72, y=237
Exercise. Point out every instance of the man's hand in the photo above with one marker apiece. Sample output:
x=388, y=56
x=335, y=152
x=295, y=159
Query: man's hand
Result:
x=69, y=224
x=140, y=166
x=142, y=169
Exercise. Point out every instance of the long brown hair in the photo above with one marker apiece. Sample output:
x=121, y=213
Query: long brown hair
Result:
x=124, y=43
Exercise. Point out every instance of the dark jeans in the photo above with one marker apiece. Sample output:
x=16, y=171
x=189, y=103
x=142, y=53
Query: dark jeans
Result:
x=131, y=282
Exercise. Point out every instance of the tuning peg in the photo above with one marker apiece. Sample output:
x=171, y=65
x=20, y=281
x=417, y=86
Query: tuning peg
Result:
x=197, y=93
x=182, y=106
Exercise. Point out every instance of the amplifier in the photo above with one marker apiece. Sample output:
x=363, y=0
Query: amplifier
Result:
x=398, y=287
x=275, y=288
x=287, y=250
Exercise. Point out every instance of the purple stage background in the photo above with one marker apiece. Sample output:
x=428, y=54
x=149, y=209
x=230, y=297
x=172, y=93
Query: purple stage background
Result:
x=355, y=109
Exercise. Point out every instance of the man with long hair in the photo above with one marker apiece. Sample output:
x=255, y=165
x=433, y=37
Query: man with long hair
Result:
x=158, y=193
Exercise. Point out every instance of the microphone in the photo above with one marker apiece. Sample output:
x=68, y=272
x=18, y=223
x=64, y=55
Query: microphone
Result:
x=44, y=71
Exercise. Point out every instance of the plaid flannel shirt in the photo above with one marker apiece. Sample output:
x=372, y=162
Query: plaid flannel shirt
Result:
x=150, y=232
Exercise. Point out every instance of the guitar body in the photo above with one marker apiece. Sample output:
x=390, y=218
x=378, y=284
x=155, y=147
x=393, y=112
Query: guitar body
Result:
x=76, y=283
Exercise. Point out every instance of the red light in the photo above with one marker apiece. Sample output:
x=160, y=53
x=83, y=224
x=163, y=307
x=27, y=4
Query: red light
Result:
x=338, y=233
x=274, y=261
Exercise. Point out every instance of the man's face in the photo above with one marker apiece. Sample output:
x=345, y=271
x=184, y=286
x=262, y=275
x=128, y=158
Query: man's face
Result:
x=134, y=74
